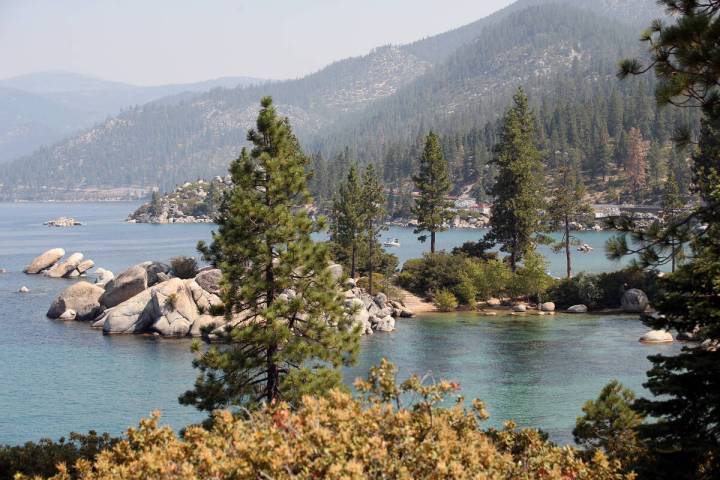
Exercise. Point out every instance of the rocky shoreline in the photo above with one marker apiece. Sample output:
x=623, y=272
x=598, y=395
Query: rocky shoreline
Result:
x=148, y=298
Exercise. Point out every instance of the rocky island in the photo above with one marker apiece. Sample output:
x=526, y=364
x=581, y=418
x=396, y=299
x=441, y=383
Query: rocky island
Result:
x=191, y=202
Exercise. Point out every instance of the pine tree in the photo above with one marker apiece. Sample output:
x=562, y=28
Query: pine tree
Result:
x=685, y=439
x=290, y=334
x=373, y=215
x=671, y=215
x=635, y=162
x=568, y=205
x=155, y=203
x=432, y=209
x=347, y=216
x=518, y=191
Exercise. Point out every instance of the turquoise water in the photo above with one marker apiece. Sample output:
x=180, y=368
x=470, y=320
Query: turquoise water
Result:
x=59, y=377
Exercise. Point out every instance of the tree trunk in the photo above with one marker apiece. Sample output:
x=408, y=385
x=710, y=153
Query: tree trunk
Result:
x=567, y=248
x=672, y=254
x=370, y=262
x=432, y=242
x=353, y=257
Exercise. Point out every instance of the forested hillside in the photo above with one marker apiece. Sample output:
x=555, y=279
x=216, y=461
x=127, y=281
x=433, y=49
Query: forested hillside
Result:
x=379, y=105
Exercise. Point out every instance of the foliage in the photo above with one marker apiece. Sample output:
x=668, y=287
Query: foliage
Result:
x=432, y=209
x=531, y=278
x=435, y=271
x=41, y=458
x=610, y=424
x=603, y=290
x=518, y=190
x=445, y=300
x=480, y=249
x=684, y=441
x=346, y=217
x=288, y=334
x=377, y=436
x=373, y=213
x=184, y=267
x=568, y=205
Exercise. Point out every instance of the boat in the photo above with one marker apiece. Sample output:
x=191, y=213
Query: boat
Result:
x=395, y=242
x=585, y=248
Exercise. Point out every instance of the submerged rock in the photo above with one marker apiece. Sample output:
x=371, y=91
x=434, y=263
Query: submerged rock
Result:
x=44, y=261
x=24, y=289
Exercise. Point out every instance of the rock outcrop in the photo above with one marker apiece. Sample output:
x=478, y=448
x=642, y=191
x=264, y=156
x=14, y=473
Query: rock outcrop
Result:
x=44, y=261
x=103, y=277
x=634, y=301
x=51, y=264
x=82, y=298
x=129, y=283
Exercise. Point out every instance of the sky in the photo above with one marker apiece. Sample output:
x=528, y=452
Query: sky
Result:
x=151, y=42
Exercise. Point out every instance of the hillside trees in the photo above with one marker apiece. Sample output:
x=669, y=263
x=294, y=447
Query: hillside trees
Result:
x=288, y=334
x=432, y=209
x=518, y=191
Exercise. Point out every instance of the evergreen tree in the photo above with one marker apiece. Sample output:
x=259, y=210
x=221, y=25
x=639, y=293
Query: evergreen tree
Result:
x=635, y=162
x=568, y=205
x=518, y=193
x=432, y=209
x=671, y=214
x=155, y=203
x=347, y=216
x=290, y=334
x=685, y=438
x=373, y=214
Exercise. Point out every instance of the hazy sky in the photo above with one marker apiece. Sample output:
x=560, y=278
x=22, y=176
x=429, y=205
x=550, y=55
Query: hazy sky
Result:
x=171, y=41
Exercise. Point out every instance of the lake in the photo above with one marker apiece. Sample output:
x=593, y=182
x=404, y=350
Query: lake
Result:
x=57, y=377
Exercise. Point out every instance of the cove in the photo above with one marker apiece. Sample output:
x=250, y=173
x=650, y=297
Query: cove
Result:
x=59, y=377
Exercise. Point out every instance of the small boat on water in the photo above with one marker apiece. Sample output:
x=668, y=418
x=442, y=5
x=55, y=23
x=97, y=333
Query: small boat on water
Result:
x=394, y=242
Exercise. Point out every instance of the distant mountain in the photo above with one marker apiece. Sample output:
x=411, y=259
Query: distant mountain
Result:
x=374, y=103
x=41, y=108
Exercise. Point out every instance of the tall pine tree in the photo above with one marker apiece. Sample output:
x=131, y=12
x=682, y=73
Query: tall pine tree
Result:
x=432, y=208
x=290, y=335
x=518, y=192
x=347, y=216
x=373, y=214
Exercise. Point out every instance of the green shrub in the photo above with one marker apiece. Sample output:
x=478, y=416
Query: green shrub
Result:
x=603, y=290
x=531, y=278
x=445, y=301
x=42, y=458
x=466, y=293
x=490, y=278
x=184, y=267
x=436, y=271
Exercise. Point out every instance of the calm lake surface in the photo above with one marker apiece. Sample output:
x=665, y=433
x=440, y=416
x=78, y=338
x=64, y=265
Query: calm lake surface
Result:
x=57, y=377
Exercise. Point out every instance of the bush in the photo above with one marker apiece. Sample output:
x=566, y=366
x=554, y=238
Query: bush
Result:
x=531, y=278
x=436, y=271
x=445, y=301
x=42, y=458
x=490, y=278
x=338, y=436
x=603, y=290
x=184, y=267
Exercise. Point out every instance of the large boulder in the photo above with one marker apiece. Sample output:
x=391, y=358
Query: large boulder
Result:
x=634, y=301
x=519, y=308
x=128, y=284
x=336, y=271
x=65, y=267
x=206, y=323
x=209, y=280
x=103, y=277
x=134, y=315
x=173, y=308
x=359, y=314
x=577, y=309
x=45, y=261
x=84, y=266
x=202, y=298
x=82, y=297
x=155, y=271
x=657, y=336
x=386, y=324
x=547, y=307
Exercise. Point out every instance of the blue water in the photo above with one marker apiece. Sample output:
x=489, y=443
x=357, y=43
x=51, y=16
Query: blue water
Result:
x=57, y=377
